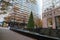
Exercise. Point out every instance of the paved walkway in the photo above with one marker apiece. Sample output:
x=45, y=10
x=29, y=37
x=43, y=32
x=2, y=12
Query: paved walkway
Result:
x=6, y=34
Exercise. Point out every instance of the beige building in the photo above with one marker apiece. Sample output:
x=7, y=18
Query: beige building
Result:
x=51, y=14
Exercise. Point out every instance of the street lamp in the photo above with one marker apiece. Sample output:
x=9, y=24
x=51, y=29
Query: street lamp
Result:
x=14, y=20
x=24, y=17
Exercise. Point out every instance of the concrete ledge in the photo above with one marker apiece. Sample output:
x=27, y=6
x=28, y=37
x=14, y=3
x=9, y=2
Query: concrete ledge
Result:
x=34, y=35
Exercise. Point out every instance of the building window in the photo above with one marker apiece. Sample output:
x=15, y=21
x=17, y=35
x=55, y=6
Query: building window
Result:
x=49, y=20
x=27, y=1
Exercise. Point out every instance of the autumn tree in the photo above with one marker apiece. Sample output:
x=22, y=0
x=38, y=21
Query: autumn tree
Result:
x=39, y=22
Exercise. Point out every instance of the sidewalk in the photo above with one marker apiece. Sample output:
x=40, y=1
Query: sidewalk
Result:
x=6, y=34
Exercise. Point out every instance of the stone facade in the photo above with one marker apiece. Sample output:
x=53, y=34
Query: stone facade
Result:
x=53, y=15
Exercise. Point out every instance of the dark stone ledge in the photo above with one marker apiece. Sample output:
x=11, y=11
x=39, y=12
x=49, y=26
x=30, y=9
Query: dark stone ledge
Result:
x=34, y=35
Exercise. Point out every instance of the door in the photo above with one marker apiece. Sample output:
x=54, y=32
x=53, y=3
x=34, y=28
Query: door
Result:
x=57, y=22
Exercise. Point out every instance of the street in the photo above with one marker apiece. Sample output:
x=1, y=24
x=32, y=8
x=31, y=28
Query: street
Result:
x=6, y=34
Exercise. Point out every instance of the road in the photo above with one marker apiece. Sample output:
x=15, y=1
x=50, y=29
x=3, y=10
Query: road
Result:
x=6, y=34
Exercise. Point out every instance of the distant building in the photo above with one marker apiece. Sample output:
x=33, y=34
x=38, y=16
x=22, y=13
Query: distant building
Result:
x=51, y=14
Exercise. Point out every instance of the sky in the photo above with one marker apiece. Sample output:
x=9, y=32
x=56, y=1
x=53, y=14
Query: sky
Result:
x=40, y=8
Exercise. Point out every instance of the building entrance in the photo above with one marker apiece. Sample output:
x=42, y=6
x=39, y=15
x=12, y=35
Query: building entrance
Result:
x=57, y=19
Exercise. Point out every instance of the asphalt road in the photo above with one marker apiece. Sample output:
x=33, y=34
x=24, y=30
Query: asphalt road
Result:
x=6, y=34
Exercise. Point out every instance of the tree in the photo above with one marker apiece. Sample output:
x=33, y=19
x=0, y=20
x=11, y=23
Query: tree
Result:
x=30, y=21
x=39, y=22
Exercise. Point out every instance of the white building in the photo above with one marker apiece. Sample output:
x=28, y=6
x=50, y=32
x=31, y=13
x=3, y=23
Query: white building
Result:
x=51, y=13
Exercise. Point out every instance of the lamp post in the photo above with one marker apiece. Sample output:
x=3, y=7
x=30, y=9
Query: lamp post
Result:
x=24, y=21
x=14, y=20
